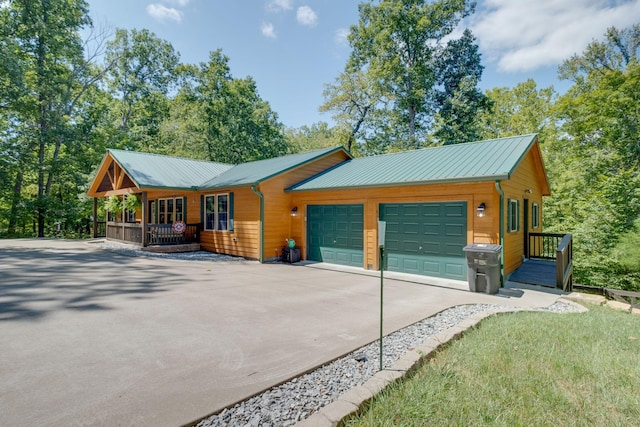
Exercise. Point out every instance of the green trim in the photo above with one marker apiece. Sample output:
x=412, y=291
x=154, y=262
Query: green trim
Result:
x=202, y=211
x=231, y=211
x=261, y=244
x=501, y=232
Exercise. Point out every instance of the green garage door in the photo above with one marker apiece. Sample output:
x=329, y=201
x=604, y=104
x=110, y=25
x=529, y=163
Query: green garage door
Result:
x=335, y=234
x=426, y=238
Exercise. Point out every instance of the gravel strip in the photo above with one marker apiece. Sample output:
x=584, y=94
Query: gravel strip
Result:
x=288, y=403
x=192, y=256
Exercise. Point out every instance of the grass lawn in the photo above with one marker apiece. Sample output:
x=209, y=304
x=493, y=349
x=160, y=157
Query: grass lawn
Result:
x=524, y=369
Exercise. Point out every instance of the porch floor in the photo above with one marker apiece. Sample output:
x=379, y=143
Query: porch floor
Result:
x=535, y=272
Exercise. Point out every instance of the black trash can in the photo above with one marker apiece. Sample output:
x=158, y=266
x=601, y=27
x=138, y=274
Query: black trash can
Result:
x=483, y=263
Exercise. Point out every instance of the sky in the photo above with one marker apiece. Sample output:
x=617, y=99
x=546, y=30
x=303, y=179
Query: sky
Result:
x=294, y=48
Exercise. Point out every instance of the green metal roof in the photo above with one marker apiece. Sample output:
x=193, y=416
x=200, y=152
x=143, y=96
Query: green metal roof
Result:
x=158, y=171
x=494, y=159
x=253, y=173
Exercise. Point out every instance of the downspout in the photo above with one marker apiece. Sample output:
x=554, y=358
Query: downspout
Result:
x=261, y=244
x=500, y=232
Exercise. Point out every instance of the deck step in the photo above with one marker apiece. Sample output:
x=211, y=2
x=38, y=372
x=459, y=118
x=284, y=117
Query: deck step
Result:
x=187, y=247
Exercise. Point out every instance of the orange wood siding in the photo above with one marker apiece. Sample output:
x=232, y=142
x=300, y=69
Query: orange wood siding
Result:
x=278, y=222
x=246, y=231
x=479, y=230
x=524, y=178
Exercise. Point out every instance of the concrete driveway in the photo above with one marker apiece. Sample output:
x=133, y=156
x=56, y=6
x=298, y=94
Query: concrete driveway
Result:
x=91, y=337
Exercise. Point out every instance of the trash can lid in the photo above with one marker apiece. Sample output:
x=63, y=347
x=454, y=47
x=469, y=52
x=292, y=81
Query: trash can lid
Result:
x=482, y=247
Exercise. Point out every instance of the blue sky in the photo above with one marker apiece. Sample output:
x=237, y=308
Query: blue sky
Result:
x=293, y=48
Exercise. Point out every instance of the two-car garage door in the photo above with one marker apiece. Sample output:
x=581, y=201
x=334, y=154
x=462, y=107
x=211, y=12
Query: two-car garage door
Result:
x=421, y=238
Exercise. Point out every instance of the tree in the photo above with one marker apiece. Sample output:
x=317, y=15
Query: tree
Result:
x=231, y=124
x=315, y=137
x=46, y=66
x=354, y=99
x=519, y=110
x=397, y=44
x=596, y=190
x=142, y=73
x=460, y=101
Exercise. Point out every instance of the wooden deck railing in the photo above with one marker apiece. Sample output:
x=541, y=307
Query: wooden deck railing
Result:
x=557, y=247
x=564, y=264
x=163, y=234
x=125, y=231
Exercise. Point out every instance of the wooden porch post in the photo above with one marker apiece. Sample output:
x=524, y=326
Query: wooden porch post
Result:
x=143, y=222
x=95, y=217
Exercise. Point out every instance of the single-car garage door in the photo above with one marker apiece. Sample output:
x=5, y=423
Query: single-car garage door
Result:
x=426, y=238
x=335, y=234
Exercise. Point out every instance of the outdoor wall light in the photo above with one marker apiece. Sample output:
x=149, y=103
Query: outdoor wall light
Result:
x=294, y=211
x=480, y=210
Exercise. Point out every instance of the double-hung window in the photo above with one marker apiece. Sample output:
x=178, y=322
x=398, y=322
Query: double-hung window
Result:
x=217, y=212
x=513, y=216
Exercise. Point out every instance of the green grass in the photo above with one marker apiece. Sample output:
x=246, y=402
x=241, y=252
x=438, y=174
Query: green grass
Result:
x=524, y=369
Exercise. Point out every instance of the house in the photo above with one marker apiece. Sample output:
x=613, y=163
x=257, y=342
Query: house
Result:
x=435, y=201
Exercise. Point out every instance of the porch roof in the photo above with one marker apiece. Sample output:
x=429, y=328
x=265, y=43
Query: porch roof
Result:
x=488, y=160
x=157, y=171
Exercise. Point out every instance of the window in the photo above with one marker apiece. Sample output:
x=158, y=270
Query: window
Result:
x=169, y=210
x=217, y=212
x=535, y=215
x=513, y=215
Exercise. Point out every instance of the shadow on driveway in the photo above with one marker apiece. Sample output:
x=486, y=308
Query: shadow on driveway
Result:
x=38, y=282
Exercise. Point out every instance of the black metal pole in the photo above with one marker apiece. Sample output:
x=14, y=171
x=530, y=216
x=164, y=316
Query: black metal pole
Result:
x=381, y=297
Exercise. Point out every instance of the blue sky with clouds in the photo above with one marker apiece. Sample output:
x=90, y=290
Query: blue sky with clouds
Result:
x=293, y=48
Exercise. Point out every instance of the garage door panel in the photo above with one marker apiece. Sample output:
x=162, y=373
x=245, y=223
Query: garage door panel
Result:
x=336, y=234
x=455, y=210
x=426, y=238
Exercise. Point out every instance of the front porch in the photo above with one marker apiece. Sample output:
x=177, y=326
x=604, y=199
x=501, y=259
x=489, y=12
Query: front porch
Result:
x=549, y=261
x=152, y=237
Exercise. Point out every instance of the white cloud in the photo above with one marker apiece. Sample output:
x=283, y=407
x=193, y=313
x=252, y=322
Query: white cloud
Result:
x=163, y=13
x=268, y=30
x=179, y=3
x=523, y=35
x=278, y=5
x=341, y=36
x=306, y=16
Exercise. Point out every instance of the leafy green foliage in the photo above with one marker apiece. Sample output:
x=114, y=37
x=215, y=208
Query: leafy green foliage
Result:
x=399, y=76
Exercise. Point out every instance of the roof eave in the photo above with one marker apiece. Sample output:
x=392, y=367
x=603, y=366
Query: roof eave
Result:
x=464, y=180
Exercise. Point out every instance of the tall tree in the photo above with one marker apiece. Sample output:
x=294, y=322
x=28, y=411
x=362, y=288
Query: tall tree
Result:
x=459, y=100
x=398, y=44
x=143, y=73
x=50, y=74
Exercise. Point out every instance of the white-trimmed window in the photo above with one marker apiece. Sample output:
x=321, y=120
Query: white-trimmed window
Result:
x=535, y=215
x=216, y=215
x=168, y=210
x=513, y=215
